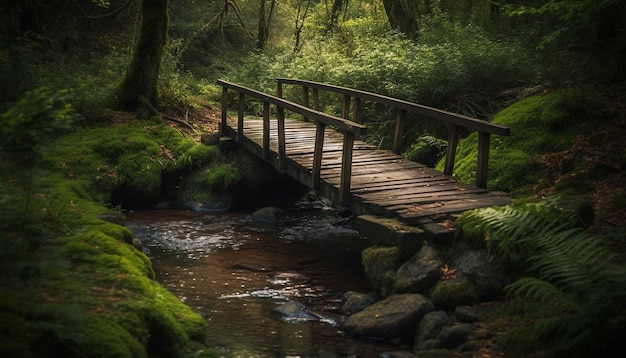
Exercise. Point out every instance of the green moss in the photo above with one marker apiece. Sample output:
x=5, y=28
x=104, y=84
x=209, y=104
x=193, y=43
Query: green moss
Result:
x=84, y=290
x=539, y=124
x=106, y=338
x=221, y=176
x=135, y=156
x=380, y=265
x=449, y=294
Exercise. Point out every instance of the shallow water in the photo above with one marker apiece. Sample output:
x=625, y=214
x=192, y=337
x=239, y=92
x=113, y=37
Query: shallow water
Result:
x=235, y=272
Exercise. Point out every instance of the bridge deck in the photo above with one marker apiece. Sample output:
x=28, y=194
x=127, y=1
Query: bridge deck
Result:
x=383, y=183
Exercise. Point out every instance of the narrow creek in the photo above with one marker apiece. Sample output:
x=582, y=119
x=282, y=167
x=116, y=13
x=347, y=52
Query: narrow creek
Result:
x=236, y=272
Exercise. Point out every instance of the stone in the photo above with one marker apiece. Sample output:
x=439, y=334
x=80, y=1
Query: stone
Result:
x=420, y=273
x=269, y=215
x=355, y=302
x=456, y=335
x=396, y=316
x=295, y=311
x=429, y=330
x=448, y=294
x=466, y=314
x=486, y=276
x=390, y=232
x=380, y=265
x=227, y=144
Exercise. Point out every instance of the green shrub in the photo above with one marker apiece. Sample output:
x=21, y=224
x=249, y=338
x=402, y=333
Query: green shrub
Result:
x=37, y=118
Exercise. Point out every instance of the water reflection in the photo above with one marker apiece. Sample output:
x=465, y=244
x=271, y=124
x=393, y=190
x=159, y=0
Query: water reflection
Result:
x=236, y=272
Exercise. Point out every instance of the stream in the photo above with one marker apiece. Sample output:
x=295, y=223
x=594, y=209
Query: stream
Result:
x=236, y=272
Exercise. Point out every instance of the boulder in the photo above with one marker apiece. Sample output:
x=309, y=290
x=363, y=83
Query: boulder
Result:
x=269, y=215
x=466, y=314
x=380, y=265
x=295, y=311
x=420, y=273
x=429, y=330
x=396, y=316
x=448, y=294
x=456, y=335
x=486, y=276
x=391, y=232
x=355, y=302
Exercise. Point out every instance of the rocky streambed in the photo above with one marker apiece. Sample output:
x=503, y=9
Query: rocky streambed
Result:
x=304, y=282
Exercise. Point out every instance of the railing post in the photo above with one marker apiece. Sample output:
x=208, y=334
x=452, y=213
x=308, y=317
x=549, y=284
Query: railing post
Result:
x=345, y=108
x=453, y=140
x=316, y=99
x=223, y=125
x=399, y=133
x=346, y=169
x=483, y=159
x=240, y=114
x=357, y=109
x=266, y=130
x=279, y=89
x=317, y=156
x=305, y=99
x=282, y=157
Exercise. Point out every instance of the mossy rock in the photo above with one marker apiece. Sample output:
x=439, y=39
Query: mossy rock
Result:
x=451, y=293
x=380, y=265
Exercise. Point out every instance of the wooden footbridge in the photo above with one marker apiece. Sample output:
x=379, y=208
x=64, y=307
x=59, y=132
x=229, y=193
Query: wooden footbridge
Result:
x=322, y=152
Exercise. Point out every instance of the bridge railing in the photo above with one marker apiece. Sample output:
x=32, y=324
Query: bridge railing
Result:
x=348, y=128
x=455, y=121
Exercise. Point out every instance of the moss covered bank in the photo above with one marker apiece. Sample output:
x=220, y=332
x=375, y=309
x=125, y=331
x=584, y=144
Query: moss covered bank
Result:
x=73, y=285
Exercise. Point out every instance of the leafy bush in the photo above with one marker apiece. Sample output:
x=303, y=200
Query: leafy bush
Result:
x=571, y=285
x=427, y=150
x=37, y=118
x=451, y=67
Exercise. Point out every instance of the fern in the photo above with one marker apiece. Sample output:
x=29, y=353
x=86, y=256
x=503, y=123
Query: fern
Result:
x=570, y=279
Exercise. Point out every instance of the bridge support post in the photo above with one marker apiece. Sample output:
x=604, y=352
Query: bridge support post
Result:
x=317, y=155
x=305, y=99
x=397, y=138
x=282, y=151
x=346, y=169
x=266, y=130
x=223, y=125
x=242, y=108
x=345, y=109
x=453, y=141
x=483, y=159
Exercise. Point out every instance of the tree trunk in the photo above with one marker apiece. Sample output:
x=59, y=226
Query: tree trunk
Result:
x=335, y=12
x=142, y=76
x=263, y=32
x=403, y=16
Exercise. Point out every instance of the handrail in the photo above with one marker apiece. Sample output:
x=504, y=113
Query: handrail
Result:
x=349, y=129
x=455, y=121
